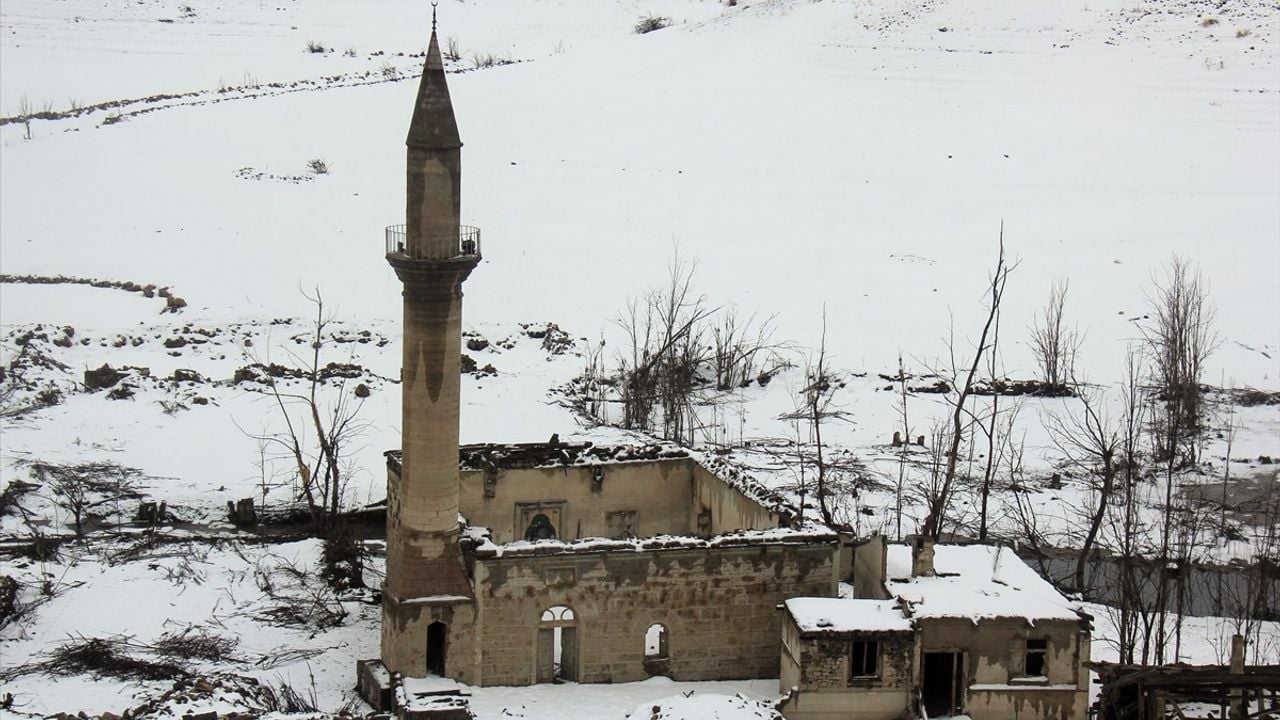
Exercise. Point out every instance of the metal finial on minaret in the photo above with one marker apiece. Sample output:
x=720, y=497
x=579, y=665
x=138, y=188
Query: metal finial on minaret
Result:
x=433, y=16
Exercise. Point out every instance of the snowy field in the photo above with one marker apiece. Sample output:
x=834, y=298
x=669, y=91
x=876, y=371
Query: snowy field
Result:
x=851, y=157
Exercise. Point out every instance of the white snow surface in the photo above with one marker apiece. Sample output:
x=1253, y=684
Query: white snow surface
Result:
x=851, y=155
x=705, y=706
x=975, y=582
x=842, y=615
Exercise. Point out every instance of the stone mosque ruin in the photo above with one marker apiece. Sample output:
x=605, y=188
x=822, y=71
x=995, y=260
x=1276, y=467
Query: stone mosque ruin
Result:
x=553, y=562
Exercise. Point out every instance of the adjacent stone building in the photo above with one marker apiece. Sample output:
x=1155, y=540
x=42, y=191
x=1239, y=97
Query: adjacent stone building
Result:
x=949, y=630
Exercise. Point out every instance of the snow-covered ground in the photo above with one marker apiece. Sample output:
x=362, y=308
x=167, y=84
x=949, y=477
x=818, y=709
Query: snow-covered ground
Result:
x=849, y=157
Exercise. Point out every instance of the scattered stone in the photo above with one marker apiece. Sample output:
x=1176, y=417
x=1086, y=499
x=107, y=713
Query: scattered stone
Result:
x=186, y=375
x=104, y=377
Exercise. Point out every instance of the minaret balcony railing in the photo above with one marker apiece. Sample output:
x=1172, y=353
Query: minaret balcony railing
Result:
x=466, y=244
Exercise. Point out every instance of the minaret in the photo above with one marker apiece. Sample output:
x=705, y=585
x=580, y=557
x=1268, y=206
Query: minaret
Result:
x=432, y=254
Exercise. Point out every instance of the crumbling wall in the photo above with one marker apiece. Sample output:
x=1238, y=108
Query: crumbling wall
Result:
x=404, y=635
x=825, y=690
x=869, y=560
x=668, y=497
x=657, y=492
x=995, y=647
x=719, y=606
x=730, y=509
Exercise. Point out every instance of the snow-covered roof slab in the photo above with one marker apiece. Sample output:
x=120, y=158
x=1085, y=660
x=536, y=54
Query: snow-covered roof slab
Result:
x=975, y=582
x=842, y=615
x=484, y=547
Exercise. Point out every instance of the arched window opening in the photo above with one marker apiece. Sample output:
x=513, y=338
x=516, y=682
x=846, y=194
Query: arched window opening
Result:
x=557, y=645
x=655, y=642
x=558, y=614
x=540, y=528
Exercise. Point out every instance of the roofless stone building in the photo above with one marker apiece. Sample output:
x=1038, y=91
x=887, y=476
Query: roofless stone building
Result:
x=510, y=565
x=553, y=562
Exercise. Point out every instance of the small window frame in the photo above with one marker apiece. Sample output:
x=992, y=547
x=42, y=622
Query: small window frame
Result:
x=864, y=659
x=1035, y=658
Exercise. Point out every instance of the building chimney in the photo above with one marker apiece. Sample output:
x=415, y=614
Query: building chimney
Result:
x=922, y=556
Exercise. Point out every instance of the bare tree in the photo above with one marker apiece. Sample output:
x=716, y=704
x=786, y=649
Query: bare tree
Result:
x=658, y=370
x=681, y=356
x=1053, y=342
x=80, y=488
x=904, y=447
x=963, y=387
x=994, y=430
x=1129, y=536
x=817, y=405
x=321, y=422
x=738, y=347
x=1180, y=339
x=1090, y=441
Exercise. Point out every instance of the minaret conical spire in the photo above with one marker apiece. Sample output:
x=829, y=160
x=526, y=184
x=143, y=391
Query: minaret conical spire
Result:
x=433, y=124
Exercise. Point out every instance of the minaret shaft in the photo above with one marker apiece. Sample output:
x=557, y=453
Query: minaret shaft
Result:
x=426, y=580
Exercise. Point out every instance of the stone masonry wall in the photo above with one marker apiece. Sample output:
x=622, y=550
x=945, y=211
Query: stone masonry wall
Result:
x=825, y=690
x=719, y=606
x=404, y=637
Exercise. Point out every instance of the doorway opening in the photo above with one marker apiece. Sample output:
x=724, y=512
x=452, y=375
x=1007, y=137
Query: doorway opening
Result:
x=557, y=645
x=942, y=687
x=437, y=645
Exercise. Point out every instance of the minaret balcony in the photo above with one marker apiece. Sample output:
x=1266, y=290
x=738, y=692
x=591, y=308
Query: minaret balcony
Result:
x=465, y=246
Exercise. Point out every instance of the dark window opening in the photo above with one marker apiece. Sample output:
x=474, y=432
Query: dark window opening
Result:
x=864, y=659
x=540, y=528
x=1037, y=652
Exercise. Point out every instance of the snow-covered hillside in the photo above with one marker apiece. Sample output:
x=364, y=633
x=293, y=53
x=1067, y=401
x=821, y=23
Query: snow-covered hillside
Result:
x=853, y=158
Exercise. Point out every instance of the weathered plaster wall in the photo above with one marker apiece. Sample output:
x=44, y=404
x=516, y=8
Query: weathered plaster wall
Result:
x=995, y=649
x=665, y=495
x=719, y=606
x=1026, y=704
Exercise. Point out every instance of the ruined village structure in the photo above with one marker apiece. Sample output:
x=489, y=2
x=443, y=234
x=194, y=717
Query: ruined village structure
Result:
x=553, y=562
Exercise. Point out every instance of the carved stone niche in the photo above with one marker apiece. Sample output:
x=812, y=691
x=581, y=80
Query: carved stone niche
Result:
x=560, y=576
x=539, y=520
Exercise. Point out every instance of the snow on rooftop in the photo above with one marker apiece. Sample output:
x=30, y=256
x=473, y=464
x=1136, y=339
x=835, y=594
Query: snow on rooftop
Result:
x=840, y=615
x=976, y=581
x=486, y=548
